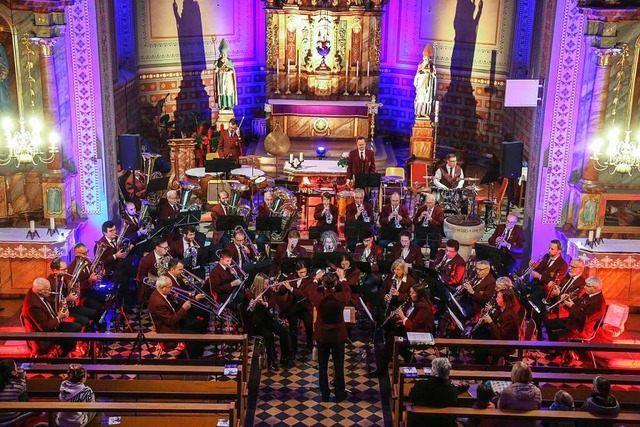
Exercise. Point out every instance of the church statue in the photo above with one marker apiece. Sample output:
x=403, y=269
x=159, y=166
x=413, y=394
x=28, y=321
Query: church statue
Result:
x=226, y=89
x=5, y=100
x=425, y=84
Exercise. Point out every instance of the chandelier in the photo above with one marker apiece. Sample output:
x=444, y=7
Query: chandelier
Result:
x=25, y=145
x=616, y=153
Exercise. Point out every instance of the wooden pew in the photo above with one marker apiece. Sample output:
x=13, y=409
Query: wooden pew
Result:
x=208, y=413
x=416, y=414
x=628, y=399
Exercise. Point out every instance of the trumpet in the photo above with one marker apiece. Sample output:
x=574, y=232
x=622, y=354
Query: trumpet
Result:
x=502, y=237
x=427, y=218
x=396, y=213
x=563, y=298
x=327, y=216
x=365, y=215
x=460, y=289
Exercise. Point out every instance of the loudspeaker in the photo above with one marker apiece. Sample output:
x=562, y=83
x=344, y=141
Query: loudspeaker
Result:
x=129, y=149
x=511, y=165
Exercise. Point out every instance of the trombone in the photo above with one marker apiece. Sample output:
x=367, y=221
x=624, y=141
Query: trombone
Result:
x=236, y=271
x=182, y=295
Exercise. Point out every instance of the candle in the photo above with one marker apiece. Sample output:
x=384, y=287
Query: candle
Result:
x=52, y=224
x=367, y=68
x=32, y=226
x=437, y=111
x=291, y=158
x=298, y=59
x=598, y=231
x=288, y=66
x=590, y=238
x=300, y=157
x=357, y=69
x=277, y=65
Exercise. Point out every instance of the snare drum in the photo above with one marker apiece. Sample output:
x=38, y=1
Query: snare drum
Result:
x=245, y=174
x=345, y=198
x=260, y=183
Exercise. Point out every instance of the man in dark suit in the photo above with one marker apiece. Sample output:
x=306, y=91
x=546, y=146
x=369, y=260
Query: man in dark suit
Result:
x=393, y=215
x=429, y=219
x=361, y=160
x=408, y=252
x=148, y=267
x=230, y=143
x=38, y=315
x=330, y=332
x=584, y=313
x=510, y=238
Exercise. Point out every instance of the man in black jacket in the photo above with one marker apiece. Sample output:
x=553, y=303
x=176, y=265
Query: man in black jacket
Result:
x=437, y=392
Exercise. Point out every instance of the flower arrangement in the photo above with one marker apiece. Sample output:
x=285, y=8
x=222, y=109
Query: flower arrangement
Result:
x=343, y=161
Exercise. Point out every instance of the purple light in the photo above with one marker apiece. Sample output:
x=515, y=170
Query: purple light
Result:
x=321, y=150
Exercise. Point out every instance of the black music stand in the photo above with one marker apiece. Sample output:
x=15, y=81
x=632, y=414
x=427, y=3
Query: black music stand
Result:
x=229, y=222
x=390, y=233
x=289, y=264
x=367, y=180
x=220, y=165
x=315, y=232
x=289, y=185
x=268, y=225
x=384, y=266
x=324, y=259
x=186, y=218
x=159, y=184
x=500, y=260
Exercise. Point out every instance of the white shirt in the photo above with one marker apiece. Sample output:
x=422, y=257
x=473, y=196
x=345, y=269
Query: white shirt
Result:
x=438, y=176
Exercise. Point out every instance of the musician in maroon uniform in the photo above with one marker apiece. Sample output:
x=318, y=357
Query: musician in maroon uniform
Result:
x=415, y=315
x=132, y=220
x=329, y=242
x=169, y=209
x=450, y=175
x=223, y=279
x=359, y=213
x=349, y=275
x=59, y=280
x=264, y=210
x=394, y=215
x=396, y=287
x=405, y=250
x=111, y=254
x=188, y=250
x=197, y=319
x=293, y=300
x=326, y=214
x=510, y=238
x=361, y=160
x=481, y=288
x=217, y=210
x=292, y=249
x=501, y=321
x=370, y=253
x=148, y=267
x=450, y=265
x=241, y=252
x=430, y=217
x=550, y=270
x=89, y=296
x=230, y=143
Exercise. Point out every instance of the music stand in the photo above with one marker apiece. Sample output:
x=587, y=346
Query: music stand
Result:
x=364, y=267
x=500, y=260
x=355, y=229
x=322, y=259
x=186, y=218
x=315, y=232
x=367, y=180
x=220, y=165
x=268, y=225
x=384, y=266
x=390, y=233
x=229, y=222
x=289, y=185
x=159, y=184
x=289, y=264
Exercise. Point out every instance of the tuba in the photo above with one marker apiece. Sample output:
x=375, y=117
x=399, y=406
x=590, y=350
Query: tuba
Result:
x=235, y=198
x=188, y=188
x=284, y=205
x=148, y=164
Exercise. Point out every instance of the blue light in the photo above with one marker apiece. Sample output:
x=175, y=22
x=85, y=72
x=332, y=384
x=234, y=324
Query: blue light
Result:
x=321, y=152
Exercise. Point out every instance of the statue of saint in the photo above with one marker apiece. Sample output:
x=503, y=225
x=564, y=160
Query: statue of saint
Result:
x=5, y=99
x=225, y=79
x=425, y=84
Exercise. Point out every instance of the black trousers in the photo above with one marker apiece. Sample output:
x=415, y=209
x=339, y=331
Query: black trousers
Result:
x=266, y=330
x=299, y=312
x=336, y=351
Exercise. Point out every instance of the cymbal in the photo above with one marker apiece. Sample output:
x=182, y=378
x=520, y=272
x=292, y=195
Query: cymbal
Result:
x=471, y=179
x=277, y=143
x=473, y=188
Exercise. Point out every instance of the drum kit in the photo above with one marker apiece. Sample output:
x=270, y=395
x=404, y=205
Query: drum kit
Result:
x=453, y=201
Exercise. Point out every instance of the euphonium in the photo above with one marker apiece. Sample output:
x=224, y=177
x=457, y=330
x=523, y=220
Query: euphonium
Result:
x=188, y=188
x=235, y=207
x=74, y=283
x=120, y=240
x=149, y=161
x=284, y=205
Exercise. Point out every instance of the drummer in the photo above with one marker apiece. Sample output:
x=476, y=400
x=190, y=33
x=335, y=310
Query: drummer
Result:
x=326, y=213
x=450, y=175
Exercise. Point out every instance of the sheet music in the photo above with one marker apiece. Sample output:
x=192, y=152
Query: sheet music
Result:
x=348, y=314
x=420, y=338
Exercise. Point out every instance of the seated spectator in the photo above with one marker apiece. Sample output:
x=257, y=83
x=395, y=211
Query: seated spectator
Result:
x=13, y=388
x=520, y=395
x=436, y=392
x=601, y=401
x=484, y=394
x=73, y=389
x=562, y=401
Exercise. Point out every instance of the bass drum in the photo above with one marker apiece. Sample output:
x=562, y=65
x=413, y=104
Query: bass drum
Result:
x=345, y=198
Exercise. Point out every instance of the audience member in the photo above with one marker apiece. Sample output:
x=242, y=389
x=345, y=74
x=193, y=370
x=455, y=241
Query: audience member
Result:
x=73, y=389
x=436, y=392
x=562, y=401
x=520, y=395
x=13, y=388
x=601, y=402
x=484, y=395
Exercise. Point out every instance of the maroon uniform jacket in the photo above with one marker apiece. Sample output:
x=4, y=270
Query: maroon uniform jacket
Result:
x=585, y=313
x=483, y=292
x=403, y=291
x=436, y=221
x=405, y=221
x=352, y=209
x=281, y=254
x=216, y=211
x=554, y=272
x=515, y=238
x=229, y=145
x=355, y=165
x=321, y=220
x=301, y=290
x=220, y=283
x=375, y=254
x=38, y=318
x=166, y=212
x=83, y=277
x=176, y=249
x=165, y=316
x=329, y=327
x=351, y=279
x=263, y=210
x=506, y=326
x=108, y=258
x=414, y=257
x=452, y=271
x=420, y=319
x=132, y=229
x=232, y=248
x=450, y=181
x=146, y=268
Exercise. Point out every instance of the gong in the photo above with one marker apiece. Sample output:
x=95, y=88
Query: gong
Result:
x=277, y=143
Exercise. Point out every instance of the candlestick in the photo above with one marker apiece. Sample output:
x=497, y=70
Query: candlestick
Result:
x=300, y=156
x=357, y=92
x=346, y=78
x=357, y=69
x=277, y=76
x=368, y=81
x=277, y=66
x=52, y=223
x=289, y=66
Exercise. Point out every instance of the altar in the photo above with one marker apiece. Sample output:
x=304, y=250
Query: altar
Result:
x=22, y=260
x=617, y=263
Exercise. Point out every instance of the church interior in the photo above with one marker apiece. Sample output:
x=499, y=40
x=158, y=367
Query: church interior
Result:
x=245, y=161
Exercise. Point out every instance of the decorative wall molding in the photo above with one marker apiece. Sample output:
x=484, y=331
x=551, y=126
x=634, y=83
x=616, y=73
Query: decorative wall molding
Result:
x=563, y=123
x=84, y=126
x=523, y=33
x=126, y=34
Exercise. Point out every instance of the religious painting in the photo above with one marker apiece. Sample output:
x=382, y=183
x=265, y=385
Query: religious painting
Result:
x=621, y=213
x=9, y=103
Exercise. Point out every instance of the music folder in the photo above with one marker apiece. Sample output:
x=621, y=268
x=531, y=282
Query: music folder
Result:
x=159, y=184
x=220, y=165
x=269, y=223
x=322, y=259
x=289, y=265
x=367, y=180
x=229, y=222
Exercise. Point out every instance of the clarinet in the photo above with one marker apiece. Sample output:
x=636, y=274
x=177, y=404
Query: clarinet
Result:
x=393, y=313
x=394, y=282
x=489, y=309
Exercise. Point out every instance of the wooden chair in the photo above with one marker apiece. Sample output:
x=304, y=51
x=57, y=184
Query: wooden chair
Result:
x=395, y=171
x=590, y=338
x=211, y=156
